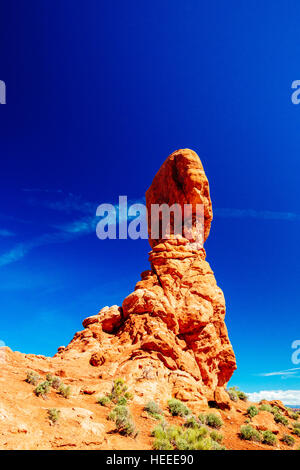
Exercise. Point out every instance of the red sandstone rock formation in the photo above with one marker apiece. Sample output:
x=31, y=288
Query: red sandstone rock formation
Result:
x=169, y=337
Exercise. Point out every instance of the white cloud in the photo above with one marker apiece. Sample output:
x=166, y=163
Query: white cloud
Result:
x=288, y=397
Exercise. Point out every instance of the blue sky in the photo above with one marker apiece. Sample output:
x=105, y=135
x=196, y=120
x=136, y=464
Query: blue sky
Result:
x=98, y=94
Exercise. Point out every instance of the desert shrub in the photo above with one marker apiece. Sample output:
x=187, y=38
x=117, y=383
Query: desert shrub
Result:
x=202, y=418
x=153, y=409
x=266, y=407
x=103, y=400
x=275, y=410
x=119, y=389
x=252, y=411
x=126, y=426
x=269, y=438
x=162, y=444
x=42, y=389
x=288, y=440
x=53, y=415
x=248, y=433
x=56, y=383
x=122, y=401
x=177, y=408
x=242, y=395
x=294, y=416
x=118, y=395
x=214, y=421
x=192, y=422
x=232, y=392
x=216, y=436
x=49, y=378
x=118, y=412
x=123, y=420
x=32, y=378
x=217, y=446
x=159, y=432
x=183, y=438
x=64, y=390
x=235, y=394
x=296, y=429
x=279, y=418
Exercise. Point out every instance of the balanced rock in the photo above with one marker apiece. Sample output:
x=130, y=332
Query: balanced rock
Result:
x=169, y=337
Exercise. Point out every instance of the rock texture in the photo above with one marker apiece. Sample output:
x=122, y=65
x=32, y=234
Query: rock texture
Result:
x=83, y=424
x=169, y=337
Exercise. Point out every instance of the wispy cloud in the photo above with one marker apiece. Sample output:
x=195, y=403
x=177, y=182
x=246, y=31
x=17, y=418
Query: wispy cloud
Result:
x=253, y=214
x=70, y=203
x=284, y=374
x=40, y=190
x=86, y=222
x=22, y=249
x=288, y=397
x=6, y=233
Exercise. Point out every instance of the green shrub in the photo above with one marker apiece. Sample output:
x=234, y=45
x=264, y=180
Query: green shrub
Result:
x=119, y=389
x=248, y=433
x=103, y=400
x=279, y=418
x=214, y=421
x=217, y=446
x=118, y=395
x=242, y=395
x=42, y=389
x=296, y=429
x=32, y=378
x=275, y=410
x=202, y=418
x=56, y=383
x=177, y=408
x=125, y=426
x=122, y=401
x=252, y=411
x=64, y=390
x=159, y=432
x=294, y=416
x=153, y=409
x=49, y=378
x=162, y=444
x=232, y=392
x=119, y=411
x=183, y=438
x=192, y=422
x=269, y=438
x=53, y=415
x=288, y=440
x=235, y=394
x=266, y=407
x=123, y=420
x=216, y=436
